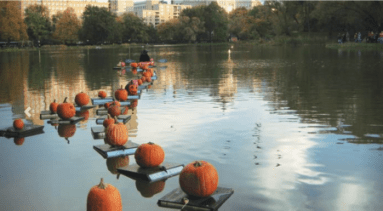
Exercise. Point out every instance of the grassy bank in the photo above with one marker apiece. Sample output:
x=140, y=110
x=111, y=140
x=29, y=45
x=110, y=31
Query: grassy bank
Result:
x=356, y=46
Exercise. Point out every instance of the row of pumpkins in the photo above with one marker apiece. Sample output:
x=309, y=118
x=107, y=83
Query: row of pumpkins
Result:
x=197, y=179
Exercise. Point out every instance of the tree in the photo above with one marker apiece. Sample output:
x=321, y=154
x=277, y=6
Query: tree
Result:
x=12, y=25
x=67, y=26
x=216, y=22
x=134, y=28
x=38, y=22
x=242, y=24
x=170, y=30
x=99, y=26
x=191, y=27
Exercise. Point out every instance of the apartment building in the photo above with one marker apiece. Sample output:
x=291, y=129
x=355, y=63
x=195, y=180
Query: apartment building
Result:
x=121, y=6
x=55, y=6
x=228, y=5
x=155, y=12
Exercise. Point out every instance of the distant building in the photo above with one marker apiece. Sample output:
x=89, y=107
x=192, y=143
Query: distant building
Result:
x=228, y=5
x=155, y=12
x=121, y=6
x=55, y=6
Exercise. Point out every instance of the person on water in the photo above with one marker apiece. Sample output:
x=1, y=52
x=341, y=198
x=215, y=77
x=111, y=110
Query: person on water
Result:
x=144, y=57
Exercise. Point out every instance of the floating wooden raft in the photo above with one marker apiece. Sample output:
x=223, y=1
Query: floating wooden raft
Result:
x=123, y=118
x=103, y=111
x=175, y=198
x=28, y=130
x=50, y=115
x=99, y=132
x=108, y=151
x=161, y=172
x=102, y=101
x=72, y=120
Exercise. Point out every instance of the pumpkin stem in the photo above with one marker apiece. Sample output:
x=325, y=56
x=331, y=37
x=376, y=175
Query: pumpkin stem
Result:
x=67, y=140
x=102, y=185
x=197, y=164
x=54, y=100
x=151, y=143
x=65, y=99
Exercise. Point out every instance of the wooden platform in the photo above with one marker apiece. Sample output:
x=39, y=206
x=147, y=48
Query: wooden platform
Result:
x=85, y=107
x=102, y=101
x=161, y=172
x=108, y=151
x=72, y=120
x=175, y=198
x=123, y=118
x=28, y=130
x=48, y=115
x=103, y=111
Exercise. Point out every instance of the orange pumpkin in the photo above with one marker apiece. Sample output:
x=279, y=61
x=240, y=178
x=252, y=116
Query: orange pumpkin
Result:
x=116, y=134
x=108, y=121
x=150, y=70
x=134, y=103
x=66, y=110
x=132, y=89
x=18, y=124
x=121, y=94
x=102, y=94
x=134, y=65
x=107, y=105
x=146, y=74
x=19, y=141
x=139, y=81
x=53, y=106
x=114, y=110
x=66, y=131
x=82, y=99
x=149, y=155
x=149, y=189
x=143, y=78
x=199, y=179
x=134, y=71
x=149, y=79
x=104, y=197
x=116, y=162
x=84, y=114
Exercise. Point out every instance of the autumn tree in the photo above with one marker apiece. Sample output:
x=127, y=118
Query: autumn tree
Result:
x=134, y=28
x=170, y=30
x=38, y=22
x=12, y=25
x=242, y=25
x=67, y=27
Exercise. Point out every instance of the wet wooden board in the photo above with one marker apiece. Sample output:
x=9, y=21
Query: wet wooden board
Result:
x=165, y=170
x=72, y=120
x=28, y=130
x=103, y=111
x=99, y=132
x=123, y=118
x=108, y=151
x=48, y=115
x=85, y=107
x=174, y=199
x=102, y=101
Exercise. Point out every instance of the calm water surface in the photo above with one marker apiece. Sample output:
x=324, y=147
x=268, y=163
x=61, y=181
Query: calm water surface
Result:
x=286, y=128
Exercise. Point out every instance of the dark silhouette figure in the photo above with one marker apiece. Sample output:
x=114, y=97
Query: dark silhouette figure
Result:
x=144, y=57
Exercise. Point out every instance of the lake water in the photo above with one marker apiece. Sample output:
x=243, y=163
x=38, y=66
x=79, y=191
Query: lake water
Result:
x=287, y=128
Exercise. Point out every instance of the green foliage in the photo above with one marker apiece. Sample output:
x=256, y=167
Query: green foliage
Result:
x=134, y=29
x=38, y=22
x=99, y=26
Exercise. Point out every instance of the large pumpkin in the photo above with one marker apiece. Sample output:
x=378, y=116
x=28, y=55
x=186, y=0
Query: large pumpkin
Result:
x=66, y=110
x=18, y=124
x=53, y=106
x=149, y=155
x=116, y=162
x=134, y=65
x=102, y=94
x=82, y=99
x=121, y=94
x=66, y=131
x=139, y=81
x=104, y=197
x=114, y=110
x=199, y=179
x=108, y=121
x=149, y=189
x=117, y=134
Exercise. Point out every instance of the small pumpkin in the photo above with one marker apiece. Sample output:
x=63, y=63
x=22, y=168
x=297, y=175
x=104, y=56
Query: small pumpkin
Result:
x=18, y=124
x=104, y=197
x=134, y=65
x=117, y=134
x=122, y=64
x=146, y=74
x=19, y=141
x=102, y=94
x=116, y=162
x=139, y=81
x=134, y=71
x=199, y=179
x=143, y=78
x=53, y=106
x=82, y=99
x=132, y=89
x=114, y=110
x=107, y=105
x=149, y=155
x=134, y=103
x=108, y=121
x=149, y=189
x=121, y=94
x=149, y=79
x=66, y=110
x=150, y=70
